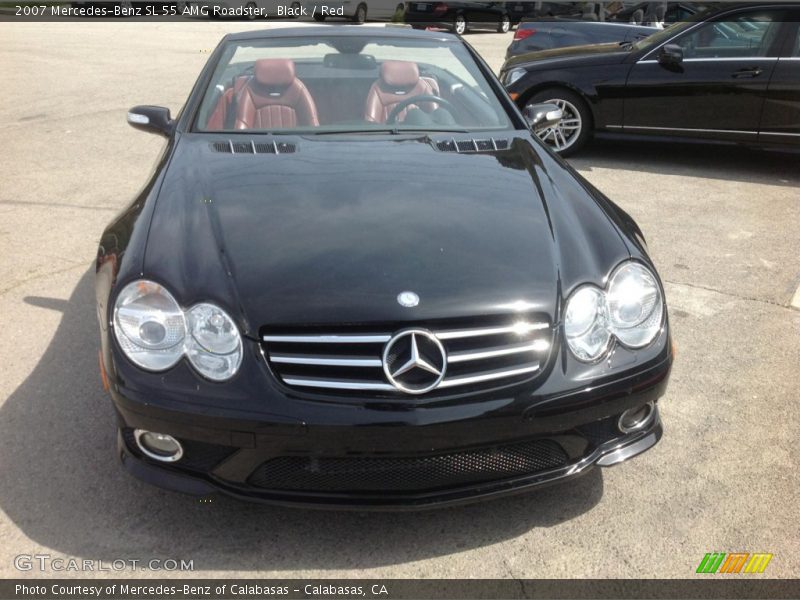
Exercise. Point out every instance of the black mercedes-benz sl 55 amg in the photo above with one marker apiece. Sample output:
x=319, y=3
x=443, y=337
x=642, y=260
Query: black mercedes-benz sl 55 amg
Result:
x=357, y=278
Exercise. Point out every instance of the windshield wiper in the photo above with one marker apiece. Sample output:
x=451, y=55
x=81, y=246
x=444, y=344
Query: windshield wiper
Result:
x=395, y=131
x=351, y=131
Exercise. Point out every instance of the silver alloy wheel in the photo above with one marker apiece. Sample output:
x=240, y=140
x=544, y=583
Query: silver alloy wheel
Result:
x=568, y=130
x=461, y=25
x=505, y=24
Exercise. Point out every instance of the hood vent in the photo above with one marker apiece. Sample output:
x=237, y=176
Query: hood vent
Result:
x=472, y=145
x=251, y=147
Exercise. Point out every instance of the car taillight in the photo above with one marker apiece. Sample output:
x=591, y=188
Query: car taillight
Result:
x=440, y=8
x=521, y=34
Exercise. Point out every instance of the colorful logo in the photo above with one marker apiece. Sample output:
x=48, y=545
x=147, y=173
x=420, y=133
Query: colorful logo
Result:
x=738, y=562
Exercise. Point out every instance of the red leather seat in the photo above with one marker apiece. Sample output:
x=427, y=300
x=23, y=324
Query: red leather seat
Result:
x=399, y=80
x=275, y=98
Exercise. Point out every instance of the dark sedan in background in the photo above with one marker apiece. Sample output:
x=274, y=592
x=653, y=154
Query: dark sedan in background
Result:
x=730, y=74
x=549, y=33
x=459, y=17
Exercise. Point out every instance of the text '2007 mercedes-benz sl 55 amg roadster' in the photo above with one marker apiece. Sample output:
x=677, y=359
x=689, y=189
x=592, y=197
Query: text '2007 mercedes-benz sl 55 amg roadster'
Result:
x=357, y=278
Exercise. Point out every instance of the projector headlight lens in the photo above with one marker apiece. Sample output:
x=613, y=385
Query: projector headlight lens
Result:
x=154, y=332
x=149, y=325
x=630, y=309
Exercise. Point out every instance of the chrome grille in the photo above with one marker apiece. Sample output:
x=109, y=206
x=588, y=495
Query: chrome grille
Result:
x=493, y=352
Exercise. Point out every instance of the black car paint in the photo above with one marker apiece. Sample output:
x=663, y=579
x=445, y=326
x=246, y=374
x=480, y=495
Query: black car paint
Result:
x=700, y=100
x=201, y=227
x=560, y=33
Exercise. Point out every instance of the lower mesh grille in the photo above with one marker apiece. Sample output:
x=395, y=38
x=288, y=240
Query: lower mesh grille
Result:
x=419, y=474
x=197, y=456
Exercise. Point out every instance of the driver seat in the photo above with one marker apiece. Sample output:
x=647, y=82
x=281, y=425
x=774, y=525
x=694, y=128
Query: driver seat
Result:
x=399, y=80
x=275, y=98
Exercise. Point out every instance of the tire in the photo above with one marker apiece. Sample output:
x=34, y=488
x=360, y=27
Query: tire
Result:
x=575, y=128
x=504, y=26
x=460, y=25
x=361, y=14
x=251, y=6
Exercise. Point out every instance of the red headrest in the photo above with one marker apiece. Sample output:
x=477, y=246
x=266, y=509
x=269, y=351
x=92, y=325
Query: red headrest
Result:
x=399, y=73
x=277, y=72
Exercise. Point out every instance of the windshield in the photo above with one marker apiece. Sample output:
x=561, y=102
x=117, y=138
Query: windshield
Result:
x=654, y=40
x=353, y=84
x=657, y=38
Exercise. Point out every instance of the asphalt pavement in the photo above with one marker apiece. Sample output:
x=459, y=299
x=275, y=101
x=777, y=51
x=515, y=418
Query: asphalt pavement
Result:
x=722, y=225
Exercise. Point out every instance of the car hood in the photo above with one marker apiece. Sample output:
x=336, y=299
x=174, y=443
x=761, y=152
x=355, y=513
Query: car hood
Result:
x=334, y=231
x=571, y=56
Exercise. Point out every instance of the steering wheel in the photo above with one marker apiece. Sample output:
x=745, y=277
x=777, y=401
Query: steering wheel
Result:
x=392, y=117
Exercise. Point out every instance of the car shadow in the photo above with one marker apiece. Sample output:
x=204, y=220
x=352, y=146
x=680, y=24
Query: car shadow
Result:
x=62, y=486
x=716, y=161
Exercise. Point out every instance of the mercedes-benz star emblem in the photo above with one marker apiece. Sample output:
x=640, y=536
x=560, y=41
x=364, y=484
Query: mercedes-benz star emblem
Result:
x=407, y=299
x=414, y=361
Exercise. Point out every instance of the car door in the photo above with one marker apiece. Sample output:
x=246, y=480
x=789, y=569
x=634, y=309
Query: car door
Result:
x=717, y=89
x=780, y=118
x=482, y=14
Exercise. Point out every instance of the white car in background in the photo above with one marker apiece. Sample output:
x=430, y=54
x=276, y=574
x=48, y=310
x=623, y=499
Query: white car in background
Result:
x=355, y=10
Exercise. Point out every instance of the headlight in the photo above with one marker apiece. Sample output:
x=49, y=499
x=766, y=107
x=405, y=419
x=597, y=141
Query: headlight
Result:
x=635, y=307
x=513, y=75
x=154, y=332
x=149, y=325
x=631, y=309
x=586, y=323
x=214, y=348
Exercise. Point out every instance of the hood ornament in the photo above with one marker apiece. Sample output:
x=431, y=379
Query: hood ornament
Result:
x=407, y=299
x=414, y=361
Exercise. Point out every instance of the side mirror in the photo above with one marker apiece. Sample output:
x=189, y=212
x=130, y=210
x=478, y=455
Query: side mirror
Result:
x=670, y=55
x=542, y=116
x=154, y=119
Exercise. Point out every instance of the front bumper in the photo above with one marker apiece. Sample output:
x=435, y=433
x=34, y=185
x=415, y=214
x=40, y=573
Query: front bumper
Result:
x=607, y=454
x=384, y=458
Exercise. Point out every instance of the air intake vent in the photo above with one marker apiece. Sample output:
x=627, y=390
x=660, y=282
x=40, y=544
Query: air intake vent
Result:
x=472, y=145
x=363, y=474
x=231, y=147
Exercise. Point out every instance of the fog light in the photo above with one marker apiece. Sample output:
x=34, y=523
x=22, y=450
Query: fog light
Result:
x=636, y=418
x=158, y=446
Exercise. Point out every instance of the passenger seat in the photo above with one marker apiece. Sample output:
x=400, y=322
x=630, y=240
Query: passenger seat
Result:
x=275, y=98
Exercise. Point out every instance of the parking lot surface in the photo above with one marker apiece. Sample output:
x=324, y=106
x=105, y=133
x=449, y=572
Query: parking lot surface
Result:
x=723, y=227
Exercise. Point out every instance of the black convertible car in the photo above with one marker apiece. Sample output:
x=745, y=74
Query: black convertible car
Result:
x=300, y=308
x=731, y=73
